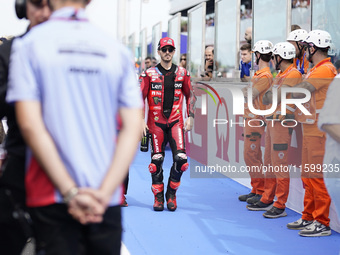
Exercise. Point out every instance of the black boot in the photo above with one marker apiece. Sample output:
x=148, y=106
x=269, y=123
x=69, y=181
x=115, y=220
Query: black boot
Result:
x=158, y=191
x=170, y=195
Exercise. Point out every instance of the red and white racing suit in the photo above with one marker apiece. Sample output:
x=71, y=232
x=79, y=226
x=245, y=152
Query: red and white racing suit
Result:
x=163, y=129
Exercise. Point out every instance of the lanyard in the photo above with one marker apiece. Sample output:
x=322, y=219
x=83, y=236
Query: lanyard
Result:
x=301, y=68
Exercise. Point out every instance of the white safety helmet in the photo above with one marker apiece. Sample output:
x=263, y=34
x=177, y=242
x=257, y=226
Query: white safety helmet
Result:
x=285, y=50
x=297, y=35
x=320, y=38
x=263, y=47
x=332, y=51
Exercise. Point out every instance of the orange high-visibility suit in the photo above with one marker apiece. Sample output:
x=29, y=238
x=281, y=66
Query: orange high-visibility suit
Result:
x=261, y=81
x=277, y=143
x=316, y=200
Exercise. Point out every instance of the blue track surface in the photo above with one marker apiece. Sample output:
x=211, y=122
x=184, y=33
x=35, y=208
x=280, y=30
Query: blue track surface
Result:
x=209, y=220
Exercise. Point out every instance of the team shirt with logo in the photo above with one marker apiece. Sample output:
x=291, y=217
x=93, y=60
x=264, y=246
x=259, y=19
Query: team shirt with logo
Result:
x=80, y=83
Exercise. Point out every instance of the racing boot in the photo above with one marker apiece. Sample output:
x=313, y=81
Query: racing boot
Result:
x=158, y=191
x=170, y=195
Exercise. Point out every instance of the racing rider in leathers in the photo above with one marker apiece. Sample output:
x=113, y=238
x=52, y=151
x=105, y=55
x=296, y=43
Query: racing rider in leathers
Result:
x=165, y=87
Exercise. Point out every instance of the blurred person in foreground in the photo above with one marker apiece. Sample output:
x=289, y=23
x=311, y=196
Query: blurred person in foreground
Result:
x=329, y=121
x=315, y=216
x=2, y=40
x=67, y=89
x=165, y=87
x=15, y=227
x=2, y=130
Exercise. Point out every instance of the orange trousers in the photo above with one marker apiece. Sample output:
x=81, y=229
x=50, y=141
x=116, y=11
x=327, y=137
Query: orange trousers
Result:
x=253, y=154
x=277, y=178
x=317, y=200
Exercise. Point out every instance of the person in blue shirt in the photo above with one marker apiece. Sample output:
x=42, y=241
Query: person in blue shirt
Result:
x=67, y=89
x=245, y=63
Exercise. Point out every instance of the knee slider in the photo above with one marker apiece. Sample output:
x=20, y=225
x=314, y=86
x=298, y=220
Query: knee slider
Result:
x=152, y=168
x=156, y=163
x=181, y=161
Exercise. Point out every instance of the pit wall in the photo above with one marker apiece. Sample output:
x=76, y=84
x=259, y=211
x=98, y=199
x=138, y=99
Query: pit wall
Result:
x=219, y=145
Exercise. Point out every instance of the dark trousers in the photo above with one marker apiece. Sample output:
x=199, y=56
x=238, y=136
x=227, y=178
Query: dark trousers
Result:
x=12, y=235
x=58, y=233
x=14, y=226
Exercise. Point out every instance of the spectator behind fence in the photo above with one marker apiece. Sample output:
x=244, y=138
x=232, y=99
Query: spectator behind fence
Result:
x=66, y=100
x=248, y=34
x=183, y=62
x=209, y=61
x=245, y=64
x=294, y=27
x=153, y=62
x=148, y=62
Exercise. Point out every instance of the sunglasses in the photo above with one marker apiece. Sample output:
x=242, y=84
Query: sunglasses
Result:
x=170, y=50
x=36, y=2
x=183, y=59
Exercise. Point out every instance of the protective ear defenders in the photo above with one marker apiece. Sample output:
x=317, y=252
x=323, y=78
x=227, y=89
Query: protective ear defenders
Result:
x=20, y=8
